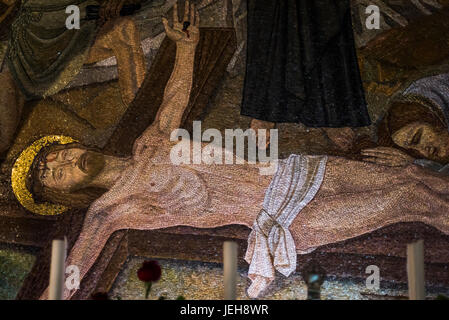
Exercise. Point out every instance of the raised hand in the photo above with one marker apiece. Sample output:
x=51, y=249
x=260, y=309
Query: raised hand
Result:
x=390, y=157
x=186, y=32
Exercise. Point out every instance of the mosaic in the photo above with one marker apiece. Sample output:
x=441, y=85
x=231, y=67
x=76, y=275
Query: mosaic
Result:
x=312, y=134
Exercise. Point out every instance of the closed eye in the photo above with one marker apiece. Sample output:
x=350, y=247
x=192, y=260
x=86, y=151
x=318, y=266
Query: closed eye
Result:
x=64, y=154
x=417, y=137
x=60, y=174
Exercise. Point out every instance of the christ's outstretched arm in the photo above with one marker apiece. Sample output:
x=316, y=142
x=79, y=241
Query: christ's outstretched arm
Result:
x=97, y=229
x=92, y=239
x=177, y=92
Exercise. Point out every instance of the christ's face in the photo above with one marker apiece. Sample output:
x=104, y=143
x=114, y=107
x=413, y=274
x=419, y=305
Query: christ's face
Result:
x=70, y=169
x=428, y=141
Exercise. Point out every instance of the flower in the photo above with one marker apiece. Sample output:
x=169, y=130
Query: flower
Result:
x=149, y=272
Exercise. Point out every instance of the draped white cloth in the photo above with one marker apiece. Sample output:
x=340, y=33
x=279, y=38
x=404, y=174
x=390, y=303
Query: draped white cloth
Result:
x=270, y=244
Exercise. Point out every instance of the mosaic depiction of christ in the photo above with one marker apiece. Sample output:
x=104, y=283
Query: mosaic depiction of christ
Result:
x=310, y=200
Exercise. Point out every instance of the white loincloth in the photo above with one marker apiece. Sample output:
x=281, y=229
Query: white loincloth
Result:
x=270, y=243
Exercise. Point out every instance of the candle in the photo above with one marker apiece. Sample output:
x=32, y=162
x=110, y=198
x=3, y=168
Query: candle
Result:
x=415, y=271
x=230, y=270
x=57, y=270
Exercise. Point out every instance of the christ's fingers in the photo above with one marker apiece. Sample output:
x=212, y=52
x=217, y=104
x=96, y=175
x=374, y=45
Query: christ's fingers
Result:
x=175, y=13
x=165, y=23
x=197, y=18
x=172, y=34
x=192, y=14
x=186, y=11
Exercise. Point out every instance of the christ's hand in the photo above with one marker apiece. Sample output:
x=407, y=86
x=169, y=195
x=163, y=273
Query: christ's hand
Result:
x=390, y=157
x=185, y=33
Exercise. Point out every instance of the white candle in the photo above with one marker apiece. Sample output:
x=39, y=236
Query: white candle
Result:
x=57, y=270
x=415, y=271
x=230, y=270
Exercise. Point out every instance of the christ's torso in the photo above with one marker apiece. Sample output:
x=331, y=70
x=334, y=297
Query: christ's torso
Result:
x=198, y=195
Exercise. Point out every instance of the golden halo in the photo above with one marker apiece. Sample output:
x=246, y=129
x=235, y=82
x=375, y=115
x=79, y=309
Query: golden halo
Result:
x=21, y=170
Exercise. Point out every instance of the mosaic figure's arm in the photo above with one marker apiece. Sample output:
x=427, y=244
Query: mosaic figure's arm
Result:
x=178, y=88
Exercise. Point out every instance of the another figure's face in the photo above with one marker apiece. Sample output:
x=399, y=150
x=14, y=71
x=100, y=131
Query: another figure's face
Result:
x=70, y=169
x=428, y=141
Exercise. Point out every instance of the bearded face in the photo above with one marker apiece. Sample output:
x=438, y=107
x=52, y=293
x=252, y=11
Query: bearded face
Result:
x=70, y=169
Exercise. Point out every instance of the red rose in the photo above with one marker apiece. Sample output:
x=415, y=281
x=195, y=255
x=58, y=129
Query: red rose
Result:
x=149, y=272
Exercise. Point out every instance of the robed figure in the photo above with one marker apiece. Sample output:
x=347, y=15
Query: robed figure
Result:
x=302, y=64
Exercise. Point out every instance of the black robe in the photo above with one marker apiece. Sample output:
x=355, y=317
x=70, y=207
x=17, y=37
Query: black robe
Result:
x=302, y=64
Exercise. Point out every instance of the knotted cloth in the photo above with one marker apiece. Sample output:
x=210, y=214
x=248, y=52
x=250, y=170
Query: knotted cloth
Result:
x=270, y=244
